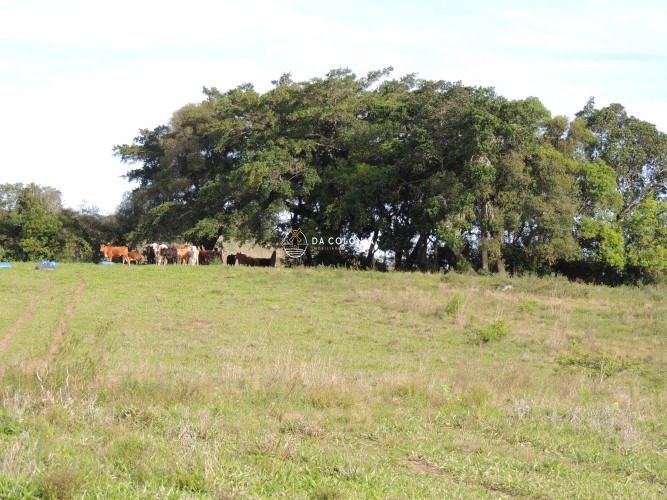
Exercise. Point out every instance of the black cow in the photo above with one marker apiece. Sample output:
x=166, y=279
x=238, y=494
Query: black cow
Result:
x=149, y=254
x=263, y=262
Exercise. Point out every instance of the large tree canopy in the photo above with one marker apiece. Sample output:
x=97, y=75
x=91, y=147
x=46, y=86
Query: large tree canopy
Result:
x=435, y=173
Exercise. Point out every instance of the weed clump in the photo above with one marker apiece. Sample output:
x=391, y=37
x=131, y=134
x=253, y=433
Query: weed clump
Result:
x=495, y=331
x=527, y=306
x=8, y=425
x=60, y=481
x=454, y=305
x=602, y=364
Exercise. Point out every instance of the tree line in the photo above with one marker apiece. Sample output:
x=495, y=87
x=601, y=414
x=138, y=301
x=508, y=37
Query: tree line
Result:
x=34, y=225
x=435, y=174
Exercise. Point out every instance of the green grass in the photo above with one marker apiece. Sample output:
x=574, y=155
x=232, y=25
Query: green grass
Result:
x=215, y=382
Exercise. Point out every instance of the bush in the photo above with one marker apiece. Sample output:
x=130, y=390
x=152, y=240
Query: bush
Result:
x=492, y=332
x=602, y=364
x=8, y=425
x=527, y=306
x=454, y=305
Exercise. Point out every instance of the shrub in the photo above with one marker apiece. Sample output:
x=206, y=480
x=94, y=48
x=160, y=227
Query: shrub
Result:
x=602, y=364
x=494, y=331
x=8, y=425
x=60, y=481
x=527, y=306
x=454, y=305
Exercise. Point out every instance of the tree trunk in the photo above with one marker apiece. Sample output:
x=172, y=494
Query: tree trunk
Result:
x=501, y=266
x=484, y=247
x=371, y=249
x=418, y=254
x=398, y=263
x=500, y=262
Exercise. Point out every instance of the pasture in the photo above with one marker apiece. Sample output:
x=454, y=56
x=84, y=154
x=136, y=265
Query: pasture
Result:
x=219, y=382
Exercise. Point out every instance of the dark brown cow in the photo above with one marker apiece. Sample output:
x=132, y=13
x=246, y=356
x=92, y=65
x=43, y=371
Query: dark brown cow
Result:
x=264, y=262
x=167, y=255
x=244, y=260
x=207, y=256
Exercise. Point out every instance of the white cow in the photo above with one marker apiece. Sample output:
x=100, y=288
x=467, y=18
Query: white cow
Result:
x=160, y=255
x=194, y=256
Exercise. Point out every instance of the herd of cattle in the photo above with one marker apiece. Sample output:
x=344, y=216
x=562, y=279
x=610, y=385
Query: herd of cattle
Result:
x=161, y=254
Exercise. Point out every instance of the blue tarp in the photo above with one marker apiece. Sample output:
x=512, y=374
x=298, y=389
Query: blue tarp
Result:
x=105, y=263
x=47, y=264
x=5, y=265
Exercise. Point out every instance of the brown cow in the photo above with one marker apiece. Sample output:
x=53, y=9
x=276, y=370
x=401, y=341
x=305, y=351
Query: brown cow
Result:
x=111, y=252
x=134, y=256
x=207, y=256
x=264, y=262
x=183, y=254
x=245, y=260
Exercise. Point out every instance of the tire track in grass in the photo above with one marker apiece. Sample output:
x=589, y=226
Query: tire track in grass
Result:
x=23, y=319
x=64, y=320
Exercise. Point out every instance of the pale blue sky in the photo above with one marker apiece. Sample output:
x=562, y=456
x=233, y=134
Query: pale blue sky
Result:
x=77, y=77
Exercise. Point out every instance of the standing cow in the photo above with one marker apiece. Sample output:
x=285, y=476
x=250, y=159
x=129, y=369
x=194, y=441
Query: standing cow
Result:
x=150, y=256
x=194, y=256
x=111, y=252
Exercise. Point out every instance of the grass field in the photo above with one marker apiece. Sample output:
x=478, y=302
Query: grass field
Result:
x=245, y=382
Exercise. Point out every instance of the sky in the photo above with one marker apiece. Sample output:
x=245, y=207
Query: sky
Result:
x=78, y=77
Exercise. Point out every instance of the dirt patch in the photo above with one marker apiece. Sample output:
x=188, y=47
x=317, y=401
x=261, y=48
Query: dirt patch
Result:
x=200, y=325
x=421, y=466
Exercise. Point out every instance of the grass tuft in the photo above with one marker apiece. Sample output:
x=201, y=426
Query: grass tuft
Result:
x=493, y=332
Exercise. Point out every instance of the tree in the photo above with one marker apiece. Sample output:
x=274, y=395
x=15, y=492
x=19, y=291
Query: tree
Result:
x=635, y=149
x=33, y=225
x=37, y=232
x=623, y=188
x=432, y=172
x=646, y=235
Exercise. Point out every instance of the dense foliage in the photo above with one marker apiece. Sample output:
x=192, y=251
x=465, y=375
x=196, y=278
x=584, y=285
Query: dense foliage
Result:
x=433, y=174
x=34, y=226
x=437, y=174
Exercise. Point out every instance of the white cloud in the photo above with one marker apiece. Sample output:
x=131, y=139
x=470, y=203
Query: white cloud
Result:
x=78, y=77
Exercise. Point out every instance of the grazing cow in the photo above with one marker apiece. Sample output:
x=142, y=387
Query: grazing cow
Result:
x=167, y=255
x=134, y=256
x=244, y=260
x=150, y=253
x=207, y=256
x=263, y=262
x=111, y=252
x=172, y=255
x=231, y=260
x=161, y=253
x=194, y=256
x=218, y=252
x=183, y=255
